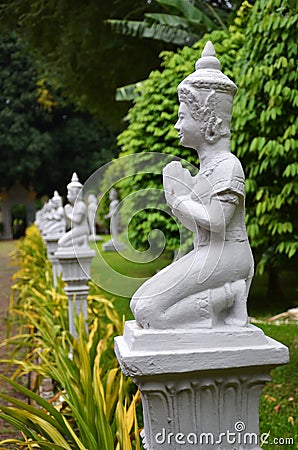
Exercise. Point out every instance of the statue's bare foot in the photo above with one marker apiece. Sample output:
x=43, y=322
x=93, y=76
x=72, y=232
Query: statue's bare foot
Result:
x=236, y=321
x=238, y=314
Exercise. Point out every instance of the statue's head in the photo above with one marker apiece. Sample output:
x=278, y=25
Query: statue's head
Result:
x=57, y=200
x=74, y=189
x=92, y=198
x=113, y=194
x=206, y=96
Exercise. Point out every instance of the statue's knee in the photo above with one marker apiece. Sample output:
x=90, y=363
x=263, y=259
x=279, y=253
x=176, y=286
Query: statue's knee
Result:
x=146, y=314
x=142, y=313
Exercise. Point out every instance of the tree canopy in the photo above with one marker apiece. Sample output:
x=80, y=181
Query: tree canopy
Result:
x=43, y=140
x=78, y=52
x=181, y=22
x=258, y=53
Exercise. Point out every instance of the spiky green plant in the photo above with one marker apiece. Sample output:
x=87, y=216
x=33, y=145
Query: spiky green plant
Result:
x=97, y=404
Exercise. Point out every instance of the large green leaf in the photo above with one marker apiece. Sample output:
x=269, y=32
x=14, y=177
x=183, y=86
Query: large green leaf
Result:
x=189, y=11
x=169, y=19
x=156, y=31
x=30, y=409
x=128, y=92
x=127, y=27
x=39, y=400
x=17, y=424
x=43, y=427
x=169, y=34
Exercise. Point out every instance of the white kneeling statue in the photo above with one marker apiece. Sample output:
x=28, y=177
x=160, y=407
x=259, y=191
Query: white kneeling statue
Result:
x=76, y=214
x=56, y=223
x=207, y=287
x=113, y=244
x=199, y=364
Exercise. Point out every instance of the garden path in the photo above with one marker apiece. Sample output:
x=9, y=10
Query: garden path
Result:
x=6, y=272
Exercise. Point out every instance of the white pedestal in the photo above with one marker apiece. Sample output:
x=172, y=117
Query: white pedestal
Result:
x=75, y=263
x=94, y=238
x=51, y=241
x=112, y=246
x=200, y=388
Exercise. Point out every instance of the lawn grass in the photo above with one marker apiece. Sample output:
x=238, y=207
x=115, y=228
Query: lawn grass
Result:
x=119, y=277
x=279, y=401
x=260, y=304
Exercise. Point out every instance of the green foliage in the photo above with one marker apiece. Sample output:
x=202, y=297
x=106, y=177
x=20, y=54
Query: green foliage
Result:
x=164, y=30
x=78, y=53
x=98, y=409
x=183, y=23
x=87, y=60
x=151, y=130
x=39, y=134
x=183, y=27
x=23, y=137
x=258, y=53
x=62, y=425
x=265, y=137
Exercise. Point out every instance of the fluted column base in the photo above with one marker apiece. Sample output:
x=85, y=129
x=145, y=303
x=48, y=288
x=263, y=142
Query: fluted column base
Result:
x=75, y=264
x=200, y=388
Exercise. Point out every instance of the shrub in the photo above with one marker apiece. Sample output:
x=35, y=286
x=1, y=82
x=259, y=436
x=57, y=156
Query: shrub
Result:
x=97, y=404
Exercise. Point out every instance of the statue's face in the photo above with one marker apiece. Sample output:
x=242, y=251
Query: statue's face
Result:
x=189, y=129
x=57, y=201
x=92, y=199
x=72, y=195
x=113, y=194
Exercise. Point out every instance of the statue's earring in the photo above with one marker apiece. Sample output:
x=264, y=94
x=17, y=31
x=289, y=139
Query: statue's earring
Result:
x=213, y=129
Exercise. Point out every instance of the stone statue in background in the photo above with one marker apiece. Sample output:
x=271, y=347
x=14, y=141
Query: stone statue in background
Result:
x=39, y=217
x=76, y=215
x=92, y=208
x=113, y=244
x=113, y=213
x=209, y=286
x=44, y=216
x=56, y=223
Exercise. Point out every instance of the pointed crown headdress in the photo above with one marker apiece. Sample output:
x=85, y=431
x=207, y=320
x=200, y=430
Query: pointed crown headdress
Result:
x=56, y=195
x=75, y=183
x=208, y=74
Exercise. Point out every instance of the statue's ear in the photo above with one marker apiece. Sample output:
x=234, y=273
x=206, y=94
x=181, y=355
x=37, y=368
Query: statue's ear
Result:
x=213, y=129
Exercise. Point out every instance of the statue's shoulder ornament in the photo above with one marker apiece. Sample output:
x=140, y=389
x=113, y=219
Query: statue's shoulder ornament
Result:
x=228, y=176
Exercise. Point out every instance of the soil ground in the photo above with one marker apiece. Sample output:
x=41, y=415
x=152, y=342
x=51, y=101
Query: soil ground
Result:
x=6, y=272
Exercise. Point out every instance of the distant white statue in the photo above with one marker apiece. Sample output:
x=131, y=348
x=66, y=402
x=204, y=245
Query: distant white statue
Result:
x=92, y=209
x=56, y=223
x=113, y=215
x=39, y=217
x=209, y=286
x=76, y=215
x=44, y=216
